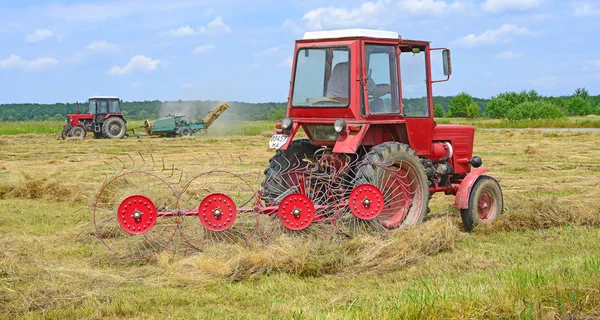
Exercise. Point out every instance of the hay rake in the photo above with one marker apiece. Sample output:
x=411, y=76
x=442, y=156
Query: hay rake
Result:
x=141, y=209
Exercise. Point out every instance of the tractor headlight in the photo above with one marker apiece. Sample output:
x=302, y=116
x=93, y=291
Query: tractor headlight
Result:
x=286, y=124
x=339, y=125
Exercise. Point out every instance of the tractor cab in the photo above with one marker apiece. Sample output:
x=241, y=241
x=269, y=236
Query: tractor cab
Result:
x=355, y=87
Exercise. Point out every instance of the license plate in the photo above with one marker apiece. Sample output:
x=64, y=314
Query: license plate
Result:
x=278, y=140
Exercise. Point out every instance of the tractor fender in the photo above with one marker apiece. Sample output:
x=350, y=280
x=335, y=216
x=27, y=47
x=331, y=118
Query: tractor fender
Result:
x=120, y=115
x=464, y=190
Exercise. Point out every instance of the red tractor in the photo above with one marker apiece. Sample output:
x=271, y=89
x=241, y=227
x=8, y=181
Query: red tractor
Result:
x=365, y=97
x=104, y=119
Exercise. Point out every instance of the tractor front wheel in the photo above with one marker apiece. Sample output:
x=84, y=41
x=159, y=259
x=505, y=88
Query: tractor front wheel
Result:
x=485, y=203
x=64, y=134
x=114, y=128
x=78, y=132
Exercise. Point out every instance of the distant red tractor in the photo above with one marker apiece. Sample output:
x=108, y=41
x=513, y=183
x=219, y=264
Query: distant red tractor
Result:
x=365, y=96
x=104, y=120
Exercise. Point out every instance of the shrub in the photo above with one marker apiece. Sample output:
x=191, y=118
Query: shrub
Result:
x=578, y=105
x=473, y=110
x=501, y=104
x=438, y=111
x=459, y=105
x=532, y=110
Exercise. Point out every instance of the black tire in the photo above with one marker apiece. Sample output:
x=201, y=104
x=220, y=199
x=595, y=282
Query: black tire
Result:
x=78, y=132
x=114, y=128
x=186, y=132
x=64, y=134
x=293, y=158
x=485, y=189
x=407, y=198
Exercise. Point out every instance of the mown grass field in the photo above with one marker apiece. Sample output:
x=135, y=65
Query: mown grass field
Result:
x=541, y=259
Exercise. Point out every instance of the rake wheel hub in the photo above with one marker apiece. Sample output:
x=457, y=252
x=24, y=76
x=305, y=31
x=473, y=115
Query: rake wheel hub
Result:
x=296, y=212
x=366, y=202
x=136, y=214
x=217, y=212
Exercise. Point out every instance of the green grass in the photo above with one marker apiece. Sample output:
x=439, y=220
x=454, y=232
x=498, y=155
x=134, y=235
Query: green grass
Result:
x=568, y=122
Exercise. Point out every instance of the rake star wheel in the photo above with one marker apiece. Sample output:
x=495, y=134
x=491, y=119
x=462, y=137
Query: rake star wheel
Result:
x=381, y=198
x=299, y=203
x=217, y=207
x=135, y=214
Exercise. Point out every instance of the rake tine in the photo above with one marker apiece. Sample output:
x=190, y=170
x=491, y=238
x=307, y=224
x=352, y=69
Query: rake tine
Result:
x=143, y=160
x=132, y=161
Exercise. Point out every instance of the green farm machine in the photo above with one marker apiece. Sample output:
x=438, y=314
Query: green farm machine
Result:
x=176, y=125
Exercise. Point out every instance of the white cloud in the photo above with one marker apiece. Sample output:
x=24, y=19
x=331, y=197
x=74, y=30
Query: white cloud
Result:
x=39, y=64
x=592, y=65
x=268, y=52
x=291, y=26
x=214, y=27
x=180, y=32
x=39, y=35
x=137, y=63
x=545, y=81
x=585, y=10
x=368, y=14
x=204, y=49
x=287, y=62
x=509, y=55
x=498, y=6
x=186, y=86
x=102, y=47
x=489, y=37
x=430, y=7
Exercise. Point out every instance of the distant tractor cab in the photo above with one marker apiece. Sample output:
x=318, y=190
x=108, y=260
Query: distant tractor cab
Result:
x=104, y=119
x=365, y=97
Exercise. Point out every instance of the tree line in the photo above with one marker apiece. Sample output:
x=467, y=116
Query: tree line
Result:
x=508, y=105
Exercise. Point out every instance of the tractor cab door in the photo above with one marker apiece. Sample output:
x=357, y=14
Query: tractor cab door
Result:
x=101, y=109
x=381, y=90
x=114, y=106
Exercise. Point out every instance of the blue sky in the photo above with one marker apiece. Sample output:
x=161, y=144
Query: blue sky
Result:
x=58, y=51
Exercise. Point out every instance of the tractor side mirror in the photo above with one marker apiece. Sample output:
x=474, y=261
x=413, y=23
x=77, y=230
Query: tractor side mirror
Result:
x=447, y=62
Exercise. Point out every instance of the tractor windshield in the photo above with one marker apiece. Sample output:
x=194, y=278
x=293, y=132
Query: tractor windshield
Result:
x=322, y=78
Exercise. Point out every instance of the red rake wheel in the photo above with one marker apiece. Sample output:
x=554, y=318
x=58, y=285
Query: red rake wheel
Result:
x=299, y=203
x=217, y=212
x=296, y=212
x=217, y=207
x=390, y=192
x=135, y=214
x=366, y=202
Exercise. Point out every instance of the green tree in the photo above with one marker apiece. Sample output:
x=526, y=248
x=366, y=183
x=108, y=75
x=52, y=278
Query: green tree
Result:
x=438, y=111
x=577, y=105
x=501, y=104
x=533, y=110
x=459, y=105
x=473, y=110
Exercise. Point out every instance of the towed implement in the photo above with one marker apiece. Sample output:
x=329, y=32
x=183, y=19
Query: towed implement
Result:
x=175, y=125
x=373, y=158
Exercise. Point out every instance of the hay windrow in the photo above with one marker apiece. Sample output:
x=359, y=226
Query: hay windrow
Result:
x=46, y=188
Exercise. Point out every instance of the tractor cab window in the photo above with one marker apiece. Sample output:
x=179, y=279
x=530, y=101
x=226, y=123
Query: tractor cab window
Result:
x=382, y=79
x=322, y=78
x=414, y=82
x=113, y=106
x=92, y=104
x=102, y=107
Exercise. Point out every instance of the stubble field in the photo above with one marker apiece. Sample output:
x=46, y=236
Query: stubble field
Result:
x=541, y=259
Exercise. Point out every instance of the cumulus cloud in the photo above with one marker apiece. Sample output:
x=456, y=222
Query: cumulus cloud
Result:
x=430, y=7
x=137, y=63
x=509, y=55
x=204, y=49
x=585, y=10
x=39, y=35
x=268, y=52
x=214, y=27
x=499, y=6
x=545, y=81
x=493, y=36
x=39, y=64
x=101, y=47
x=287, y=62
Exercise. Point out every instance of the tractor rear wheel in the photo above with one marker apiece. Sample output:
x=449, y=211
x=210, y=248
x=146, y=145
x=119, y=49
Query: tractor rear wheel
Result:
x=77, y=132
x=114, y=128
x=395, y=170
x=297, y=157
x=485, y=203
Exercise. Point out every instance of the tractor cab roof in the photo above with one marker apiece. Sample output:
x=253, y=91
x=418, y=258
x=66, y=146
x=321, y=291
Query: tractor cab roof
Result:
x=104, y=97
x=350, y=33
